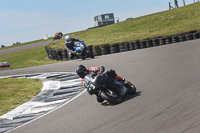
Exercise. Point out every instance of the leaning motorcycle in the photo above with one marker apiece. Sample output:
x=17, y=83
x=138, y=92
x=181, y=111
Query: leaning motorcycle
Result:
x=107, y=88
x=82, y=51
x=57, y=36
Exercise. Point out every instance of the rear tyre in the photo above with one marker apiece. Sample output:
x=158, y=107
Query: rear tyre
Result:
x=110, y=99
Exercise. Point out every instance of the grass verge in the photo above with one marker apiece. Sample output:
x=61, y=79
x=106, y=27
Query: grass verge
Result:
x=165, y=23
x=27, y=58
x=159, y=24
x=15, y=92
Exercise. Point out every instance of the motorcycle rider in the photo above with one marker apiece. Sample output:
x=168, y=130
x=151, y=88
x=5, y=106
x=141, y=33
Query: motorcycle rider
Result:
x=58, y=35
x=69, y=43
x=61, y=34
x=82, y=71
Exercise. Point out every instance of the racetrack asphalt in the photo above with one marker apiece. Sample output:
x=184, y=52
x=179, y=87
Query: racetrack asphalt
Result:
x=168, y=82
x=10, y=50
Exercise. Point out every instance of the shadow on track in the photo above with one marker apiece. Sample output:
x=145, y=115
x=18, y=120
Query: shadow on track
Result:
x=86, y=59
x=129, y=97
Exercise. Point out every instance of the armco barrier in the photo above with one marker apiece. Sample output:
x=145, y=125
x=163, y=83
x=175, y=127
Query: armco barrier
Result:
x=4, y=65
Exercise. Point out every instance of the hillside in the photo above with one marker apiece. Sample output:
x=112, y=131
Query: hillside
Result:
x=159, y=24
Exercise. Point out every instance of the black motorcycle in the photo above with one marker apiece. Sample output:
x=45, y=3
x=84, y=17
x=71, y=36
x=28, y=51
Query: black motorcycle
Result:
x=81, y=51
x=108, y=88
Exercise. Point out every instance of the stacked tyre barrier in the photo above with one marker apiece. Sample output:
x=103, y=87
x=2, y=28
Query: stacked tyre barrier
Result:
x=104, y=49
x=146, y=43
x=114, y=48
x=56, y=54
x=59, y=54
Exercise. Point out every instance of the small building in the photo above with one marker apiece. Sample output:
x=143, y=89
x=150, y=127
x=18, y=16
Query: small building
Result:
x=104, y=19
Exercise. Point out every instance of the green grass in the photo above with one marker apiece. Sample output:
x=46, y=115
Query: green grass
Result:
x=159, y=24
x=26, y=58
x=22, y=44
x=15, y=92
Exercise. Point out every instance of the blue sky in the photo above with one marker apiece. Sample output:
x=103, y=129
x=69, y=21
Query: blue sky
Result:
x=28, y=20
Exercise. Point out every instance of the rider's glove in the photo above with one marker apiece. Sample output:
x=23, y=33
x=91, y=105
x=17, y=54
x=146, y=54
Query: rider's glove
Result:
x=102, y=69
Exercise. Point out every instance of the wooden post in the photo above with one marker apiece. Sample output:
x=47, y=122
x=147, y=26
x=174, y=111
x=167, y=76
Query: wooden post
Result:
x=184, y=2
x=176, y=3
x=169, y=6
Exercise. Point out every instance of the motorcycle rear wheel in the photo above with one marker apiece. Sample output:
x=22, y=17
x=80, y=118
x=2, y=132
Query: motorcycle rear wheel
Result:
x=111, y=99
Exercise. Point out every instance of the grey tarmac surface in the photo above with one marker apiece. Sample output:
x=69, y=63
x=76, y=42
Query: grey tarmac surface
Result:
x=24, y=47
x=168, y=99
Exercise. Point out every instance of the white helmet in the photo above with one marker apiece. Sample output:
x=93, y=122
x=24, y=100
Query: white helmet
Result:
x=67, y=38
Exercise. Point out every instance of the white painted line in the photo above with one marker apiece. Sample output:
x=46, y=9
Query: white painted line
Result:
x=50, y=111
x=48, y=84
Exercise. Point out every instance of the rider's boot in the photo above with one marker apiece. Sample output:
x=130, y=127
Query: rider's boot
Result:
x=123, y=91
x=126, y=82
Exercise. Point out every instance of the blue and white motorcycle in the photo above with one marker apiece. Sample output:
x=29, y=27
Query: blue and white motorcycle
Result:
x=82, y=51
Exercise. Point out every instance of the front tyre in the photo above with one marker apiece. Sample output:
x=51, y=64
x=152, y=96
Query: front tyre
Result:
x=100, y=99
x=131, y=88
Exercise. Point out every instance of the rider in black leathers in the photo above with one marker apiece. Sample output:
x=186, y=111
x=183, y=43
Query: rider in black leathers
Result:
x=82, y=71
x=69, y=43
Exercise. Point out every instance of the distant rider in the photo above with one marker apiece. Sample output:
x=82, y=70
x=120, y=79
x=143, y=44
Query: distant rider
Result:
x=69, y=43
x=82, y=71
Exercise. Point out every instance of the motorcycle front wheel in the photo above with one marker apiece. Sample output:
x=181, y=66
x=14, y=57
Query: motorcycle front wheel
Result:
x=131, y=88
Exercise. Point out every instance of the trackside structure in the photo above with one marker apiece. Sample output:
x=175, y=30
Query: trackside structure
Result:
x=104, y=19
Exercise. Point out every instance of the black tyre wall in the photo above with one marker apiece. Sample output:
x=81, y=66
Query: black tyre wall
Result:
x=168, y=40
x=143, y=44
x=47, y=51
x=196, y=35
x=156, y=41
x=132, y=46
x=189, y=36
x=175, y=38
x=162, y=41
x=64, y=54
x=59, y=54
x=137, y=44
x=97, y=50
x=122, y=47
x=182, y=37
x=105, y=49
x=114, y=48
x=149, y=43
